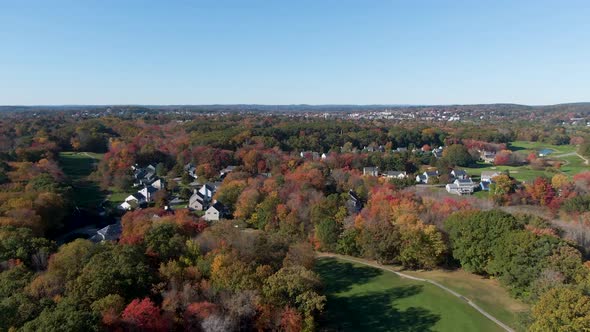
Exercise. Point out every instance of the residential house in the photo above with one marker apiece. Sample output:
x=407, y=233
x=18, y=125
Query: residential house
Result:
x=486, y=179
x=487, y=156
x=354, y=203
x=208, y=190
x=309, y=155
x=487, y=176
x=215, y=212
x=459, y=174
x=198, y=202
x=133, y=201
x=426, y=177
x=438, y=152
x=108, y=233
x=158, y=184
x=371, y=171
x=224, y=172
x=395, y=175
x=148, y=192
x=191, y=170
x=461, y=187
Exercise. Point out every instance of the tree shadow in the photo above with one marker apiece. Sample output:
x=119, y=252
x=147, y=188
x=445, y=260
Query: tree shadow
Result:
x=338, y=276
x=377, y=312
x=374, y=311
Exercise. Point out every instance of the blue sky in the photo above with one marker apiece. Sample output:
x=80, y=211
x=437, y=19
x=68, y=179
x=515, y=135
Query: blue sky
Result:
x=291, y=52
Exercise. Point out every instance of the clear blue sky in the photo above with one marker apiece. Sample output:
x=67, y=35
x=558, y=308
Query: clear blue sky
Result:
x=290, y=52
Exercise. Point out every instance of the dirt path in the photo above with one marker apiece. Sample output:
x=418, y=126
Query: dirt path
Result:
x=586, y=162
x=403, y=275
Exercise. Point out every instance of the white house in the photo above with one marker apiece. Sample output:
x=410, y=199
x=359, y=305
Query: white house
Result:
x=371, y=171
x=459, y=174
x=207, y=190
x=461, y=187
x=148, y=192
x=395, y=175
x=426, y=176
x=487, y=176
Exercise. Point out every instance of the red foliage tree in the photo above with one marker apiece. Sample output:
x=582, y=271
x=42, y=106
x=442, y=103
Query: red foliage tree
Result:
x=144, y=315
x=291, y=320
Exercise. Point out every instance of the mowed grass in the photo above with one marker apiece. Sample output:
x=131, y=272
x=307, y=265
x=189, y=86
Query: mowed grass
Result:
x=78, y=166
x=520, y=173
x=527, y=147
x=362, y=298
x=486, y=293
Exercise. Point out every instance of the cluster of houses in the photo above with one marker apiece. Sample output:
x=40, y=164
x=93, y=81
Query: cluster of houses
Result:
x=461, y=183
x=202, y=200
x=149, y=183
x=374, y=171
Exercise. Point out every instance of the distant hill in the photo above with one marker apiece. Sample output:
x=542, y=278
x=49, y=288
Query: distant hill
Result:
x=569, y=107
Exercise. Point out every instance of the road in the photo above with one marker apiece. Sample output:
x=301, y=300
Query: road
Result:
x=403, y=275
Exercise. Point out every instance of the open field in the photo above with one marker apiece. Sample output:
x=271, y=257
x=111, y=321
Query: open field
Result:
x=78, y=166
x=486, y=293
x=528, y=147
x=521, y=173
x=573, y=164
x=362, y=298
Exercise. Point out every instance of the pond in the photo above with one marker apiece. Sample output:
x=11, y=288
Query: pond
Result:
x=545, y=152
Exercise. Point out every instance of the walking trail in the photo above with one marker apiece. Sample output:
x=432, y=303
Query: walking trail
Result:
x=403, y=275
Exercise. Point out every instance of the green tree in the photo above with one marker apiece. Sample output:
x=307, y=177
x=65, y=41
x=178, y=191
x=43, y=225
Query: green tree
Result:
x=295, y=287
x=327, y=233
x=474, y=235
x=457, y=155
x=347, y=243
x=380, y=241
x=119, y=269
x=66, y=316
x=518, y=259
x=164, y=241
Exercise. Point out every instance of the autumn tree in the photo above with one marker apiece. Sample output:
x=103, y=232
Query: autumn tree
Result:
x=144, y=315
x=561, y=309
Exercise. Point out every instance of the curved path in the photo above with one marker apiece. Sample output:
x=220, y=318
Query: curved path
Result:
x=403, y=275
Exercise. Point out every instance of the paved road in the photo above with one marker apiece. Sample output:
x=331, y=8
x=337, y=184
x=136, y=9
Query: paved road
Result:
x=403, y=275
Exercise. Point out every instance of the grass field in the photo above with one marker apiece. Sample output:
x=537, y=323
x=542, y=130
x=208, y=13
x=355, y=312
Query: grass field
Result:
x=486, y=293
x=362, y=298
x=521, y=173
x=528, y=147
x=573, y=164
x=78, y=166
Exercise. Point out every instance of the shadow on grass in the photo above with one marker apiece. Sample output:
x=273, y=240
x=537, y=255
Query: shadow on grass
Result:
x=341, y=276
x=372, y=311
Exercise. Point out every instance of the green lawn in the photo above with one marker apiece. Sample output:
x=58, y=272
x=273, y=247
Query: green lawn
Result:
x=527, y=147
x=78, y=166
x=362, y=298
x=487, y=293
x=573, y=165
x=521, y=173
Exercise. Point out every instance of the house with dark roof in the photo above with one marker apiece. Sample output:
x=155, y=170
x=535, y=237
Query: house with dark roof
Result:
x=198, y=202
x=216, y=211
x=354, y=203
x=459, y=174
x=427, y=176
